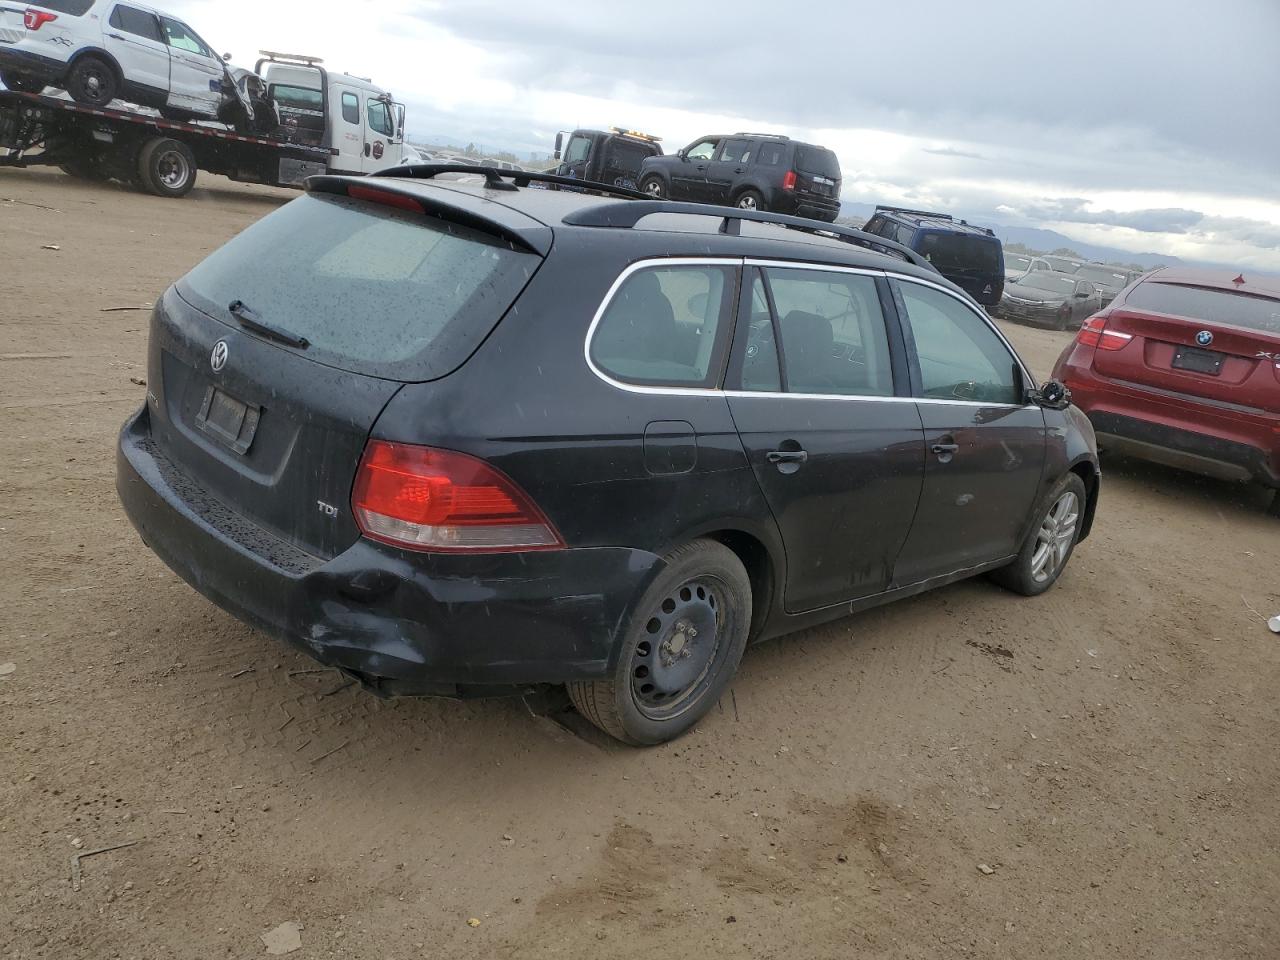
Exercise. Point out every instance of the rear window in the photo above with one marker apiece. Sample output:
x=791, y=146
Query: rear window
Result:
x=961, y=251
x=302, y=98
x=1208, y=305
x=1106, y=276
x=818, y=161
x=74, y=8
x=376, y=290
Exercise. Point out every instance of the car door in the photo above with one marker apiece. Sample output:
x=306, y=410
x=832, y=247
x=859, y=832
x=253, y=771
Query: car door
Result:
x=195, y=72
x=985, y=444
x=1088, y=301
x=689, y=178
x=133, y=37
x=726, y=169
x=379, y=135
x=348, y=130
x=821, y=401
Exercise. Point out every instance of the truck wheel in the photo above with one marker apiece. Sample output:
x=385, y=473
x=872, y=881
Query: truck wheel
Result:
x=653, y=188
x=749, y=200
x=92, y=81
x=679, y=650
x=166, y=168
x=21, y=83
x=85, y=168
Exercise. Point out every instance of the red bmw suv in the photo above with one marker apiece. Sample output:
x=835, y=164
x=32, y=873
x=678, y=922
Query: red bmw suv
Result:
x=1183, y=368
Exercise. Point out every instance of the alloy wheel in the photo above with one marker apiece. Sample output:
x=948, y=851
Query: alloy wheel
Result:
x=1054, y=538
x=747, y=203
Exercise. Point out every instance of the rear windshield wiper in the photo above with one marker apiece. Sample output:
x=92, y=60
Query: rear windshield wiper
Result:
x=251, y=320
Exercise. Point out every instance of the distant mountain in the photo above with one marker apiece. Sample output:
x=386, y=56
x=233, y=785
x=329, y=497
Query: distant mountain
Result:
x=1034, y=238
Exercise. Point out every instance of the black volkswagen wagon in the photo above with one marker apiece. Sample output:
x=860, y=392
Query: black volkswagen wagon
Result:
x=464, y=440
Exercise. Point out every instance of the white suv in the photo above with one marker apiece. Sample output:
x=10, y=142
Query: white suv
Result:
x=98, y=50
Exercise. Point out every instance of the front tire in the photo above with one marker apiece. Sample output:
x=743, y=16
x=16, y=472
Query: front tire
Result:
x=1050, y=543
x=92, y=81
x=166, y=168
x=21, y=83
x=653, y=188
x=679, y=650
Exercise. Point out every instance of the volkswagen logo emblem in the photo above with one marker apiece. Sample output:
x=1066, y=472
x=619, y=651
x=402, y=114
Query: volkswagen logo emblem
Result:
x=218, y=359
x=1204, y=338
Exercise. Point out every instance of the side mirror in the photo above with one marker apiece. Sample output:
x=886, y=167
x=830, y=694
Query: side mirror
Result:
x=681, y=154
x=559, y=145
x=1052, y=395
x=226, y=57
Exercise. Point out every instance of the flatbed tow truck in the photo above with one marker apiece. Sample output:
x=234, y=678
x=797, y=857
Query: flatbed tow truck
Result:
x=153, y=154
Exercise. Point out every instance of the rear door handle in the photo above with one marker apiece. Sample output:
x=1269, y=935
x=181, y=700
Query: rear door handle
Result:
x=941, y=448
x=366, y=149
x=787, y=456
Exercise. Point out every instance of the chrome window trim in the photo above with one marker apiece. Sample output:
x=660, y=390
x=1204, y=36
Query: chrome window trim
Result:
x=741, y=262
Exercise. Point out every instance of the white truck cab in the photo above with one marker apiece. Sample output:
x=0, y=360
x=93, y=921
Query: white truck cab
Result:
x=351, y=115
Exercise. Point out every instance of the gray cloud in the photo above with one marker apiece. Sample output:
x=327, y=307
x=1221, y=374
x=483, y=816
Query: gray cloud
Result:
x=953, y=152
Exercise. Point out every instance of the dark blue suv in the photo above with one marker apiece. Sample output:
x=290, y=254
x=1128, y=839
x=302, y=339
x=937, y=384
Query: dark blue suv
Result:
x=970, y=257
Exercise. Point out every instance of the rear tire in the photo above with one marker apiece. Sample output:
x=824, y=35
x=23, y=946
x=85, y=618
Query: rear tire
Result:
x=166, y=168
x=21, y=83
x=750, y=200
x=1050, y=543
x=653, y=188
x=679, y=650
x=92, y=81
x=1274, y=509
x=85, y=168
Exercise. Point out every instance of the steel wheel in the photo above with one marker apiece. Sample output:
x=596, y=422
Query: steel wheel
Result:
x=671, y=663
x=172, y=169
x=1054, y=538
x=92, y=81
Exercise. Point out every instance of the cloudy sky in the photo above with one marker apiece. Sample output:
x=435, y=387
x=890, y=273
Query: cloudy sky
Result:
x=1148, y=125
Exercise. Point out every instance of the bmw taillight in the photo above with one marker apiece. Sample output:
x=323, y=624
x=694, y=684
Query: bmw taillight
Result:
x=789, y=181
x=35, y=19
x=422, y=498
x=1094, y=333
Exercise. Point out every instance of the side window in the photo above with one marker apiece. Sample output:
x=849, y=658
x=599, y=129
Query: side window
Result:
x=760, y=360
x=350, y=108
x=873, y=225
x=736, y=151
x=770, y=154
x=702, y=150
x=664, y=326
x=905, y=234
x=960, y=356
x=138, y=22
x=833, y=333
x=379, y=116
x=577, y=150
x=1085, y=288
x=181, y=37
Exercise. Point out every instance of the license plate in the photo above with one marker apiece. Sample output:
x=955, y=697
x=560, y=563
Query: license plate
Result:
x=1198, y=361
x=232, y=421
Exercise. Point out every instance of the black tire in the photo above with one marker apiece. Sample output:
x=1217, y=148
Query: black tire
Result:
x=21, y=83
x=749, y=200
x=1060, y=320
x=1274, y=509
x=92, y=81
x=175, y=115
x=653, y=188
x=1027, y=575
x=666, y=678
x=85, y=168
x=166, y=167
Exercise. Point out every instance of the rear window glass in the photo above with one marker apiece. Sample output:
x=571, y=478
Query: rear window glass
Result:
x=1106, y=276
x=302, y=98
x=74, y=8
x=376, y=290
x=1208, y=305
x=961, y=251
x=818, y=161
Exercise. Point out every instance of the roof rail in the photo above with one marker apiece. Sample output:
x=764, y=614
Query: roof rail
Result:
x=626, y=215
x=495, y=177
x=767, y=136
x=914, y=213
x=300, y=58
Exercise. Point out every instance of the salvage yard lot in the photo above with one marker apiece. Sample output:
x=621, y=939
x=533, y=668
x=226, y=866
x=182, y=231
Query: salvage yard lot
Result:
x=1105, y=752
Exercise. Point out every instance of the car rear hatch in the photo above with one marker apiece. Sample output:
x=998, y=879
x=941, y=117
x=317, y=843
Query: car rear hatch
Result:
x=16, y=20
x=1217, y=345
x=971, y=261
x=270, y=361
x=817, y=173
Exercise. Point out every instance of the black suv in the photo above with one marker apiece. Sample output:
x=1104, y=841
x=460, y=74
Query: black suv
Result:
x=969, y=256
x=464, y=439
x=753, y=171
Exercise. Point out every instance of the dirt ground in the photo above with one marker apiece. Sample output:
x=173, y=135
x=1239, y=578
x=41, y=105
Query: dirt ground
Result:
x=1106, y=752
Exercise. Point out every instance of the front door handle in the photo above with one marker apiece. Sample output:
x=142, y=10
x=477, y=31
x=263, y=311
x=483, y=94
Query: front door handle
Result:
x=366, y=149
x=787, y=456
x=945, y=449
x=115, y=36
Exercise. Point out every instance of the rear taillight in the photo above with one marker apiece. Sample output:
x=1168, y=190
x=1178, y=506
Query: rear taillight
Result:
x=387, y=198
x=35, y=19
x=434, y=500
x=1094, y=333
x=789, y=181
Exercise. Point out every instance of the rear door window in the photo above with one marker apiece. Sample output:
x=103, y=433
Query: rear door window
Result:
x=376, y=290
x=832, y=332
x=666, y=326
x=350, y=108
x=959, y=356
x=135, y=21
x=1207, y=305
x=736, y=151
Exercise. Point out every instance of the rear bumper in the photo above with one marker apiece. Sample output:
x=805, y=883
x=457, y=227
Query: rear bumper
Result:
x=14, y=58
x=1173, y=430
x=803, y=205
x=402, y=623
